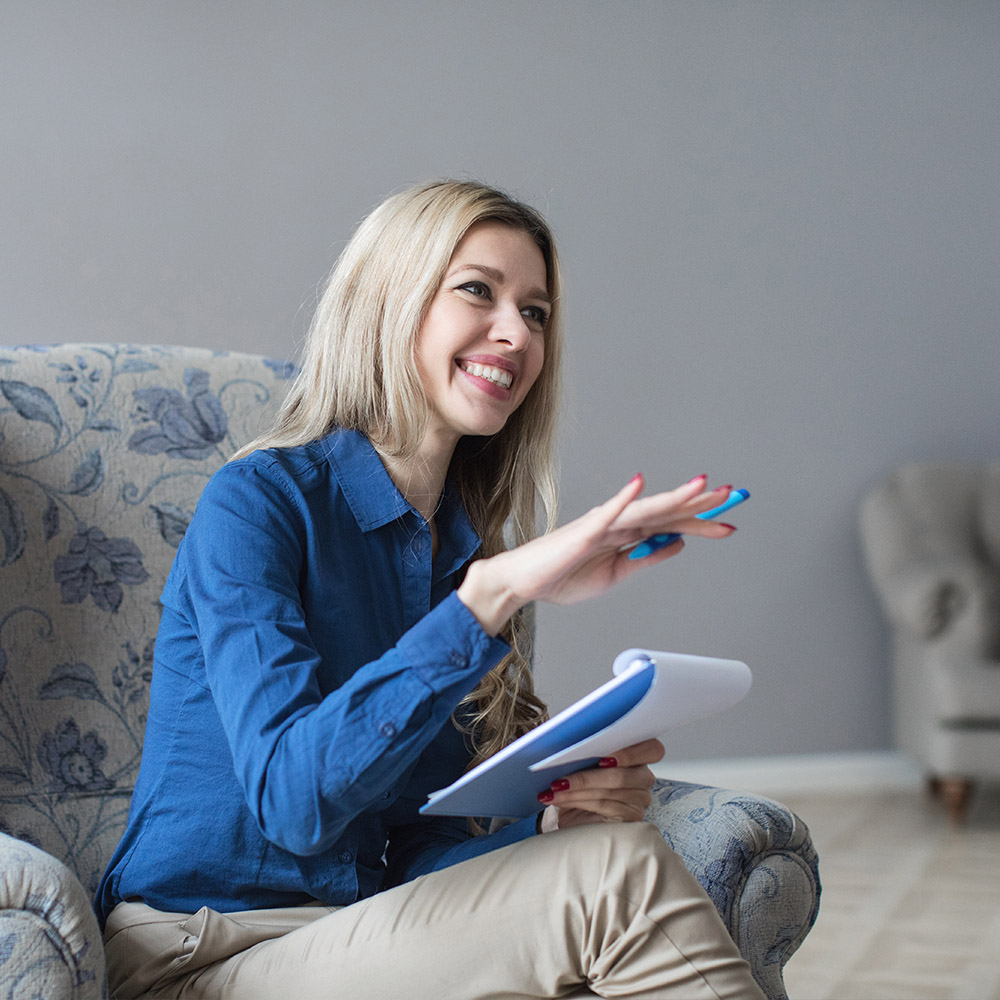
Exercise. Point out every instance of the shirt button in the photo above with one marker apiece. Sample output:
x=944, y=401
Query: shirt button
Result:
x=387, y=795
x=388, y=730
x=456, y=659
x=345, y=857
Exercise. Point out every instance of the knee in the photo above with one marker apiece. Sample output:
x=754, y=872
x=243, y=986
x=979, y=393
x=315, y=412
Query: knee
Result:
x=635, y=841
x=620, y=854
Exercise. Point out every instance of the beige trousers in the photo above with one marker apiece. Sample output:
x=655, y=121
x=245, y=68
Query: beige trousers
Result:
x=606, y=909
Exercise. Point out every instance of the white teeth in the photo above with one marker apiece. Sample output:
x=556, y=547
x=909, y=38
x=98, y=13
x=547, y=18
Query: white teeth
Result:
x=496, y=375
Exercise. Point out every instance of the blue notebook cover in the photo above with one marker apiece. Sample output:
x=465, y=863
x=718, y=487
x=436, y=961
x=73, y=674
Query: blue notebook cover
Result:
x=650, y=692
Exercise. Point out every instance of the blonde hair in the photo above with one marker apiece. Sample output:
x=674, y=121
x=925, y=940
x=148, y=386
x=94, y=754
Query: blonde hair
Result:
x=359, y=371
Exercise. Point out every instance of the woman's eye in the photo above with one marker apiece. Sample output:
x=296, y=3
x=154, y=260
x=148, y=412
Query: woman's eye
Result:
x=477, y=288
x=535, y=314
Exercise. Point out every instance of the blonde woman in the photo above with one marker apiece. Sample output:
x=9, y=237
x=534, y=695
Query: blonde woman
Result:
x=343, y=632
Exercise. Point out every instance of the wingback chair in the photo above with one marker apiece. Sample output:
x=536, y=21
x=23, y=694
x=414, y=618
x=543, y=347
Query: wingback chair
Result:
x=931, y=536
x=104, y=450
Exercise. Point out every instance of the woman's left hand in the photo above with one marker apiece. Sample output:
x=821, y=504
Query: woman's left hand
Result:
x=589, y=555
x=618, y=790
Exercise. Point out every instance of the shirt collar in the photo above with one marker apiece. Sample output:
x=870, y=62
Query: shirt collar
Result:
x=375, y=501
x=370, y=493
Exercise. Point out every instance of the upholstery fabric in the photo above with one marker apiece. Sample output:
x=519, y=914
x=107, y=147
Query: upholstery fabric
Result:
x=931, y=536
x=50, y=944
x=755, y=860
x=104, y=450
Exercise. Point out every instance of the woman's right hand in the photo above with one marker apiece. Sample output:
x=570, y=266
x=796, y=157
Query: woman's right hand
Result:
x=589, y=555
x=616, y=791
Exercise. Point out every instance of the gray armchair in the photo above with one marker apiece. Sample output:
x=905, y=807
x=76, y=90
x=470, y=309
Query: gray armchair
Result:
x=931, y=536
x=104, y=450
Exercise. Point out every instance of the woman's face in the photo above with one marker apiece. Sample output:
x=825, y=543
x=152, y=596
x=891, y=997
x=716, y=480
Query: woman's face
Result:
x=482, y=342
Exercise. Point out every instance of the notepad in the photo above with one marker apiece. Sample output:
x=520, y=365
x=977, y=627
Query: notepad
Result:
x=649, y=693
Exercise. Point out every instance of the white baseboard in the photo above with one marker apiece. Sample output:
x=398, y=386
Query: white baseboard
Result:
x=874, y=771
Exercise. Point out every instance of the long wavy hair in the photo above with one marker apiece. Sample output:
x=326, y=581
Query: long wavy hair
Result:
x=359, y=371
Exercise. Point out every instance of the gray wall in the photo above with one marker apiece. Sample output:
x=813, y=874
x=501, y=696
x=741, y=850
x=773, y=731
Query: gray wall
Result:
x=779, y=223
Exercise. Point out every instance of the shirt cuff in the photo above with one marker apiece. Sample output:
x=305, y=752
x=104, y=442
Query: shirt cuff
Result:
x=449, y=640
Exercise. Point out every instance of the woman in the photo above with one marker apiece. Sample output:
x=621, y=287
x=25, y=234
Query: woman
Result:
x=342, y=633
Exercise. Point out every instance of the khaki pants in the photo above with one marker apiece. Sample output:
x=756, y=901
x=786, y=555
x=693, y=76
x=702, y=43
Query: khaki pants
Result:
x=606, y=908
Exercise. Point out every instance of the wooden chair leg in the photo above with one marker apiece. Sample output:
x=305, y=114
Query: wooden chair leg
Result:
x=955, y=793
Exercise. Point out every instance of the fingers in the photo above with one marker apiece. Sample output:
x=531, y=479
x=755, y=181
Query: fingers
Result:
x=655, y=524
x=607, y=513
x=619, y=789
x=622, y=803
x=646, y=752
x=602, y=811
x=677, y=508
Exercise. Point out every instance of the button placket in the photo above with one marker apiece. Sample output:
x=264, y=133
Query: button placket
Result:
x=417, y=565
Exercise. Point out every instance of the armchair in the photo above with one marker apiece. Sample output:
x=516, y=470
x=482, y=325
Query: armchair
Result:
x=931, y=537
x=104, y=449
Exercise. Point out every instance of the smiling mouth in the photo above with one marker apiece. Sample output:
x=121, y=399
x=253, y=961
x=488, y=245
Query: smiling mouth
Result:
x=497, y=376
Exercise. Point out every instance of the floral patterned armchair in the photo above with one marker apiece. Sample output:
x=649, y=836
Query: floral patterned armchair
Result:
x=104, y=450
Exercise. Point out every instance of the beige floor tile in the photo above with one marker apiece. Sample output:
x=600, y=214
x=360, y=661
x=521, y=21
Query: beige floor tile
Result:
x=910, y=907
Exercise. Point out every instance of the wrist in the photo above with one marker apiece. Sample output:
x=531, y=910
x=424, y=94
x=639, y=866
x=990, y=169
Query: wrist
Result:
x=486, y=596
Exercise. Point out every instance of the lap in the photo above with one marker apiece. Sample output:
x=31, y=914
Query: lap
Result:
x=520, y=921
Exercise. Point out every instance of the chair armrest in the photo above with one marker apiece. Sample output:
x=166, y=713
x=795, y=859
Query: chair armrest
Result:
x=927, y=597
x=755, y=860
x=50, y=942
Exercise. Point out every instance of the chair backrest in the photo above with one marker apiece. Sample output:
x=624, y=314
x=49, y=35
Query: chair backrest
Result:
x=926, y=509
x=104, y=450
x=931, y=536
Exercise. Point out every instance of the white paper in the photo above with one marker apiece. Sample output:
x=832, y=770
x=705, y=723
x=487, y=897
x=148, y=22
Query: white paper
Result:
x=685, y=688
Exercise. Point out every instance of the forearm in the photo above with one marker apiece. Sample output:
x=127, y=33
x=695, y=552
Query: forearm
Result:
x=310, y=769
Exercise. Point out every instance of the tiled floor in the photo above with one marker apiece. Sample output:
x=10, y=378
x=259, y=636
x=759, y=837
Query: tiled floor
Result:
x=910, y=907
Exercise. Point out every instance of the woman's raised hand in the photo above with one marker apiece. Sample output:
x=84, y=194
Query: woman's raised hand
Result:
x=589, y=555
x=618, y=790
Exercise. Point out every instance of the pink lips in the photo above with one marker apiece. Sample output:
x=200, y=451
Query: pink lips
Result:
x=492, y=361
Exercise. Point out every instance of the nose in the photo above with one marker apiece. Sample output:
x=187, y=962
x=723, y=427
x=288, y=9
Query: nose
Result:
x=510, y=327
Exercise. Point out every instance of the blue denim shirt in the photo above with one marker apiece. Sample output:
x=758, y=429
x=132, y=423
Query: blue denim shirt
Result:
x=309, y=658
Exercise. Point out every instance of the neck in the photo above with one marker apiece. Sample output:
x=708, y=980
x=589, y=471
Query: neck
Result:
x=420, y=477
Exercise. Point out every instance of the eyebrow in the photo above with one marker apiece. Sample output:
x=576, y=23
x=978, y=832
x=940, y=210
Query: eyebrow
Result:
x=492, y=272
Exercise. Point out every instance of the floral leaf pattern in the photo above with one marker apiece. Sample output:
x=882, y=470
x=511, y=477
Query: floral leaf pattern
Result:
x=173, y=522
x=179, y=427
x=50, y=520
x=72, y=680
x=32, y=403
x=133, y=366
x=96, y=566
x=282, y=369
x=88, y=477
x=11, y=529
x=73, y=761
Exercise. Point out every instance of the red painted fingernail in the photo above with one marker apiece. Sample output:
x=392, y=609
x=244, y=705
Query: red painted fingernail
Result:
x=731, y=527
x=638, y=475
x=561, y=785
x=608, y=762
x=545, y=796
x=728, y=488
x=704, y=475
